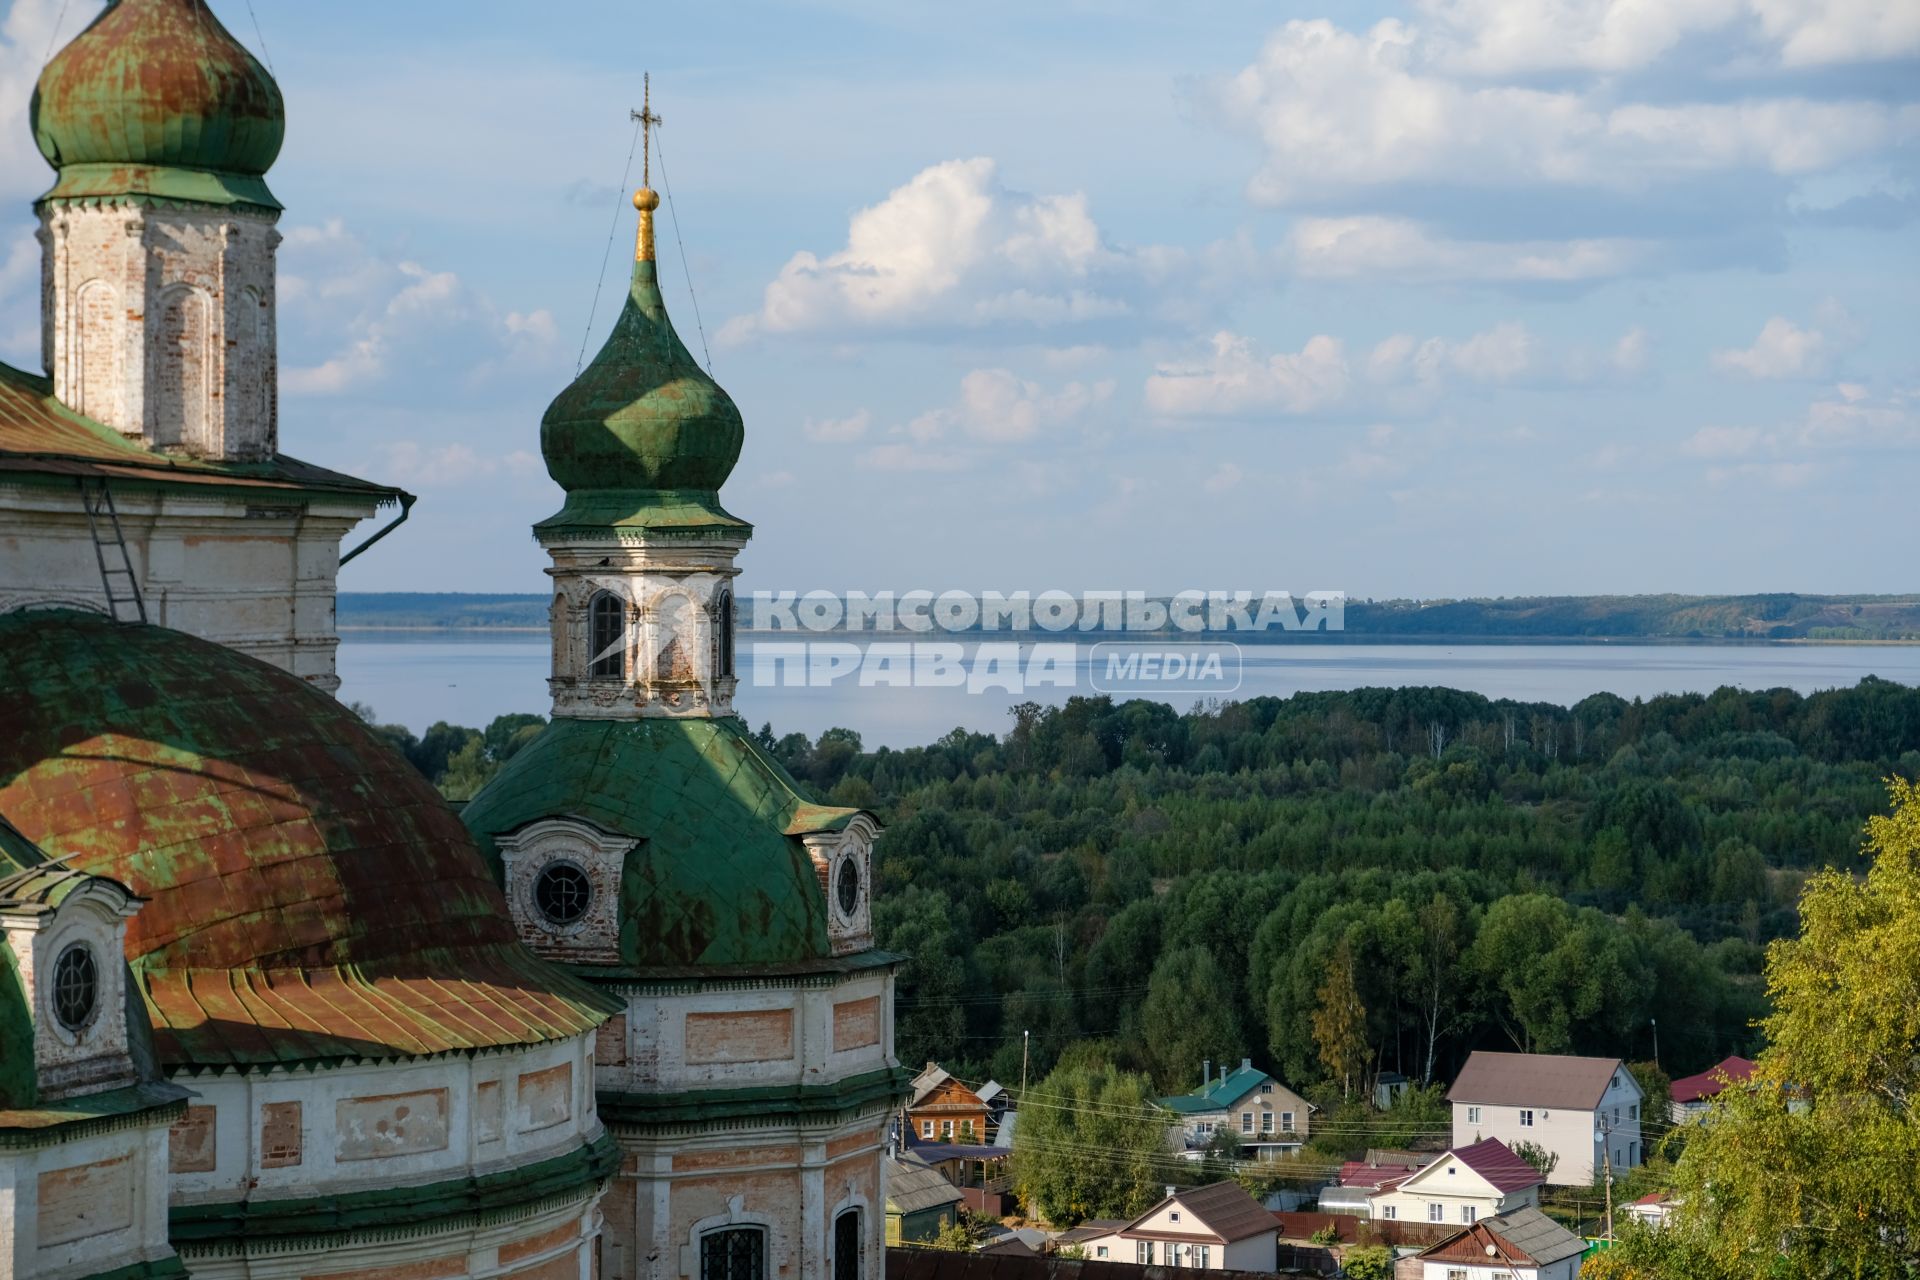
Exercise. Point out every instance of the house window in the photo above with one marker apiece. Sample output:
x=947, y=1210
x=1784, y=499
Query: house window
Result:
x=1633, y=1111
x=966, y=1130
x=1246, y=1122
x=1633, y=1153
x=1266, y=1122
x=846, y=1246
x=736, y=1253
x=605, y=622
x=1266, y=1088
x=1456, y=1273
x=562, y=892
x=1468, y=1213
x=725, y=642
x=946, y=1128
x=1436, y=1213
x=926, y=1128
x=1473, y=1115
x=1526, y=1119
x=1389, y=1213
x=1200, y=1256
x=1143, y=1252
x=1100, y=1251
x=1174, y=1216
x=1286, y=1121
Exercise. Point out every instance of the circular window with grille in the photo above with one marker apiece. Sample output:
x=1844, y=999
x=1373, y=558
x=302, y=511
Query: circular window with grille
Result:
x=76, y=987
x=847, y=885
x=562, y=892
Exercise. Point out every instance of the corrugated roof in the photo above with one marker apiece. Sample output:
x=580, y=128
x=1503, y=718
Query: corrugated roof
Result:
x=312, y=897
x=1710, y=1082
x=1544, y=1080
x=1495, y=1161
x=1217, y=1095
x=1526, y=1237
x=912, y=1186
x=39, y=435
x=1223, y=1208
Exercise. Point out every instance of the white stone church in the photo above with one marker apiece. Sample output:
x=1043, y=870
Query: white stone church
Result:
x=269, y=1008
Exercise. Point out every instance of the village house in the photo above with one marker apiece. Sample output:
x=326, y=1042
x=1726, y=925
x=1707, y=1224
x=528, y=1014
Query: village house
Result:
x=1461, y=1186
x=920, y=1202
x=1213, y=1228
x=943, y=1109
x=1522, y=1245
x=1267, y=1117
x=1584, y=1113
x=1693, y=1095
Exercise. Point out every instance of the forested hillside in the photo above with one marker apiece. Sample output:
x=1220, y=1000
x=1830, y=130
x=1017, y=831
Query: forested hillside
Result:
x=1499, y=874
x=1491, y=874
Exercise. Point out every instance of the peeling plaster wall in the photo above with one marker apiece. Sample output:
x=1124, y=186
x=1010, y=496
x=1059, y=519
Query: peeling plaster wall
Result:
x=84, y=1206
x=258, y=577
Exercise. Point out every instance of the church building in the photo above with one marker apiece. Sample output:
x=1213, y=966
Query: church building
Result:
x=269, y=1008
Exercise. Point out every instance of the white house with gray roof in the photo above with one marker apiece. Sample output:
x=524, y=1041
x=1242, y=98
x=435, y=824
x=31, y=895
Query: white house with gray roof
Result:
x=1582, y=1111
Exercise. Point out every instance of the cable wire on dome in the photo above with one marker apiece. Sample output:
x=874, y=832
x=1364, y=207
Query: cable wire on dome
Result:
x=53, y=36
x=674, y=214
x=261, y=36
x=607, y=254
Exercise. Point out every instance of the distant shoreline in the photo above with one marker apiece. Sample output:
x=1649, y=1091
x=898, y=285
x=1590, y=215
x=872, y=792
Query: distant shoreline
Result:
x=1263, y=639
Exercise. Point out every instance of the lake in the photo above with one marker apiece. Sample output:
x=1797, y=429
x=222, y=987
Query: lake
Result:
x=416, y=678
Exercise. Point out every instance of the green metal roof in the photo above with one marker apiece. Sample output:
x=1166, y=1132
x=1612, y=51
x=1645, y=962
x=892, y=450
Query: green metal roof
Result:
x=156, y=99
x=312, y=897
x=719, y=876
x=643, y=437
x=1218, y=1095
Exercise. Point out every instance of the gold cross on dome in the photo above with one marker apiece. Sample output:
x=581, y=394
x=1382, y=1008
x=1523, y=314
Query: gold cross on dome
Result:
x=647, y=122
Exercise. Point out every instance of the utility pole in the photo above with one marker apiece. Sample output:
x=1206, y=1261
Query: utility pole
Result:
x=1655, y=1024
x=1025, y=1038
x=1606, y=1162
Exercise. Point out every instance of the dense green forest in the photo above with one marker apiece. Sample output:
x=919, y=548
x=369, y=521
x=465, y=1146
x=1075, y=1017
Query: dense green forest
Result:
x=1489, y=873
x=1779, y=616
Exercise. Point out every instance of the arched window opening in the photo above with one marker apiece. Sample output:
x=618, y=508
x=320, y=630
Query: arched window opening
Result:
x=605, y=632
x=846, y=1246
x=734, y=1253
x=724, y=663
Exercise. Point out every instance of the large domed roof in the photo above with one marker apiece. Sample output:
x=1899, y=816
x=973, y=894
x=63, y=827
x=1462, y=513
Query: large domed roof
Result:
x=643, y=434
x=312, y=897
x=719, y=877
x=157, y=99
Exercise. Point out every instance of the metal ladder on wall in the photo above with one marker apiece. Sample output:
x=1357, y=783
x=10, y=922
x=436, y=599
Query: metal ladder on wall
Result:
x=110, y=543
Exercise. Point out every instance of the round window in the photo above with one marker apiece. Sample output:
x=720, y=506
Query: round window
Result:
x=562, y=892
x=847, y=885
x=76, y=987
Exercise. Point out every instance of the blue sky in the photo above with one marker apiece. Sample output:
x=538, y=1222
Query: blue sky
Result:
x=1459, y=297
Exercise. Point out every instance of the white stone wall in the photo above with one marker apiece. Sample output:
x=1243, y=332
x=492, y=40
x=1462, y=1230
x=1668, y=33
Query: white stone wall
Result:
x=283, y=1134
x=94, y=1056
x=84, y=1206
x=258, y=576
x=673, y=594
x=160, y=323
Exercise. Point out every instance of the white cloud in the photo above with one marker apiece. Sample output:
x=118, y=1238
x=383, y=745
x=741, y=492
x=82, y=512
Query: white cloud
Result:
x=1783, y=350
x=1225, y=477
x=836, y=430
x=1234, y=379
x=994, y=408
x=1505, y=352
x=450, y=466
x=1339, y=111
x=1501, y=37
x=371, y=315
x=1721, y=442
x=954, y=248
x=1401, y=249
x=904, y=456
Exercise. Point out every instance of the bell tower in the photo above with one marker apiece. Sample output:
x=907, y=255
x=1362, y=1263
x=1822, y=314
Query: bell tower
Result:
x=158, y=239
x=643, y=553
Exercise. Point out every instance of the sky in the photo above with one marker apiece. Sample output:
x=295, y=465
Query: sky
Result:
x=1459, y=297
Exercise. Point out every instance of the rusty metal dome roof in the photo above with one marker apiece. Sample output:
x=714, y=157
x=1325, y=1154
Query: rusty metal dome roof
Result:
x=311, y=895
x=157, y=99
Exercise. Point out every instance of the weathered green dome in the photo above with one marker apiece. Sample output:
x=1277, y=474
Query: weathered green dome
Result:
x=157, y=99
x=643, y=428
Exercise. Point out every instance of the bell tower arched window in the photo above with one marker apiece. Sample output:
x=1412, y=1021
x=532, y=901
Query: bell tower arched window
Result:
x=606, y=629
x=723, y=667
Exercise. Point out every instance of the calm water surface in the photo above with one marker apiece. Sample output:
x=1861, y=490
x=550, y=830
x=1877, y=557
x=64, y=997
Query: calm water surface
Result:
x=417, y=678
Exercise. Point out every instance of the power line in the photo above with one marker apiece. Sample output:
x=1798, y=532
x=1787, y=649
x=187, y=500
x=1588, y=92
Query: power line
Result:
x=261, y=36
x=53, y=36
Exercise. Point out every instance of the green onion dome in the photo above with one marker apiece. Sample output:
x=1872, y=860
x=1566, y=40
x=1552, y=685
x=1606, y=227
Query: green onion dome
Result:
x=643, y=435
x=157, y=99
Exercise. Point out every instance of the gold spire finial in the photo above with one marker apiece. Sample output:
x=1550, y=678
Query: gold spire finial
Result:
x=646, y=200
